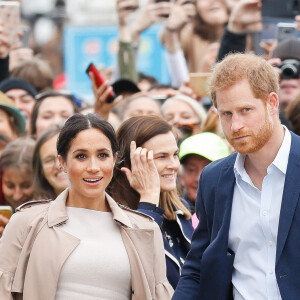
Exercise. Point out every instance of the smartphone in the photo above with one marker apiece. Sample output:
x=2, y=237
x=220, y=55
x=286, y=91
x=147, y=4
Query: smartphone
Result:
x=286, y=9
x=136, y=5
x=25, y=38
x=286, y=31
x=10, y=16
x=6, y=211
x=99, y=80
x=198, y=83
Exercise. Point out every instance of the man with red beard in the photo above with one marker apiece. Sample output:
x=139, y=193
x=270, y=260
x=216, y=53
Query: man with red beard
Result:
x=247, y=244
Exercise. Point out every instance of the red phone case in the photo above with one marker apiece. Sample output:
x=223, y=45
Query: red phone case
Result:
x=100, y=80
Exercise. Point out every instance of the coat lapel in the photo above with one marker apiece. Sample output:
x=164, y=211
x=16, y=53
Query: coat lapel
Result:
x=223, y=204
x=290, y=196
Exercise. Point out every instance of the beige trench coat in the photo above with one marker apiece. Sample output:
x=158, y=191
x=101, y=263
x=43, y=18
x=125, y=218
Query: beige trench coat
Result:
x=33, y=249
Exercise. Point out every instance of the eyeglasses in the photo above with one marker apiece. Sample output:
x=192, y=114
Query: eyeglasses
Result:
x=49, y=162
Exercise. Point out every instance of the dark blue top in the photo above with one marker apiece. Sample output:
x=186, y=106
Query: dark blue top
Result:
x=177, y=236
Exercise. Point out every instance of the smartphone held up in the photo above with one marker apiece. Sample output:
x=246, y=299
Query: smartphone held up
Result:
x=99, y=80
x=10, y=17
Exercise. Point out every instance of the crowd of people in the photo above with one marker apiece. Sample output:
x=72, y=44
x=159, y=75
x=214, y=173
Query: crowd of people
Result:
x=162, y=193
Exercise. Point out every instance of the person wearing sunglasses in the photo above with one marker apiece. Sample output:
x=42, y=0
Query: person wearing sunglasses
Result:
x=185, y=114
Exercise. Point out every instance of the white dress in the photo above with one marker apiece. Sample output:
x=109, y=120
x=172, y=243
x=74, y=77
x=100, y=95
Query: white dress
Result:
x=99, y=267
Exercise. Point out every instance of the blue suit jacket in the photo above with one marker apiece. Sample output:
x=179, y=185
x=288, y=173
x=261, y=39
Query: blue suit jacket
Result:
x=207, y=271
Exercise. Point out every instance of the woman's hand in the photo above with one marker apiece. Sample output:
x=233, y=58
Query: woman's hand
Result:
x=186, y=89
x=245, y=14
x=152, y=12
x=143, y=176
x=101, y=106
x=274, y=62
x=297, y=21
x=4, y=42
x=124, y=12
x=181, y=14
x=210, y=57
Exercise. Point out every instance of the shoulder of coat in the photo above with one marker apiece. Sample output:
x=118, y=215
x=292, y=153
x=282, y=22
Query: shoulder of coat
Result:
x=135, y=212
x=32, y=203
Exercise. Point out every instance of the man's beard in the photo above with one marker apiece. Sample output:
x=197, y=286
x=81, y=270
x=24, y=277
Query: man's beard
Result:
x=254, y=140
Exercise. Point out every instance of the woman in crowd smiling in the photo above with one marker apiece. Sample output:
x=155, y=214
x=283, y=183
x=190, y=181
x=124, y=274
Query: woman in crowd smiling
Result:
x=140, y=137
x=16, y=171
x=49, y=179
x=83, y=245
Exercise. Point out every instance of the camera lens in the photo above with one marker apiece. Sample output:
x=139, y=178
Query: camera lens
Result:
x=289, y=71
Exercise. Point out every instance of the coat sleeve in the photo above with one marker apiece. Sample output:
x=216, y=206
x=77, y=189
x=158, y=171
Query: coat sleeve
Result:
x=189, y=283
x=11, y=244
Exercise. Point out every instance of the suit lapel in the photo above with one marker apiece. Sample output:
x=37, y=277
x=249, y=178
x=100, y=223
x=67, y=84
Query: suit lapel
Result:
x=290, y=196
x=223, y=204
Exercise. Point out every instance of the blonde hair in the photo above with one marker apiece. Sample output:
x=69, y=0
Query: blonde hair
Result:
x=195, y=106
x=262, y=77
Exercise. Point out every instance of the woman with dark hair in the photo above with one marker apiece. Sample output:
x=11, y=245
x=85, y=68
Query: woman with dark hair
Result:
x=49, y=180
x=51, y=107
x=16, y=171
x=139, y=138
x=83, y=245
x=16, y=175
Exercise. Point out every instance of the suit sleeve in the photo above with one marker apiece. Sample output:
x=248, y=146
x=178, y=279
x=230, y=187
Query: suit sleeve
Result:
x=189, y=283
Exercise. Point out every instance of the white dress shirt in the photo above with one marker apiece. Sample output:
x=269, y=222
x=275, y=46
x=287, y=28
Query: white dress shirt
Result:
x=254, y=227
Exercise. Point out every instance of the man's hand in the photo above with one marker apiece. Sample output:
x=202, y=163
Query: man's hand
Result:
x=245, y=14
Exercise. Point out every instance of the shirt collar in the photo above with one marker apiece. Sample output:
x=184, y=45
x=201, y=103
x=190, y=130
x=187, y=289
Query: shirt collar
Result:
x=280, y=161
x=282, y=157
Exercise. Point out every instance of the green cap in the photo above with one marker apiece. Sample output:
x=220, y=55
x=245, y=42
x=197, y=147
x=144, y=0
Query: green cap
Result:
x=206, y=144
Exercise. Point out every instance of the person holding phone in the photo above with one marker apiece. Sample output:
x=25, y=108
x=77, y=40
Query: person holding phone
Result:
x=192, y=27
x=84, y=245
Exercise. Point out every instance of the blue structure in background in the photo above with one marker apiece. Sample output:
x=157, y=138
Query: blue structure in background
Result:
x=83, y=45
